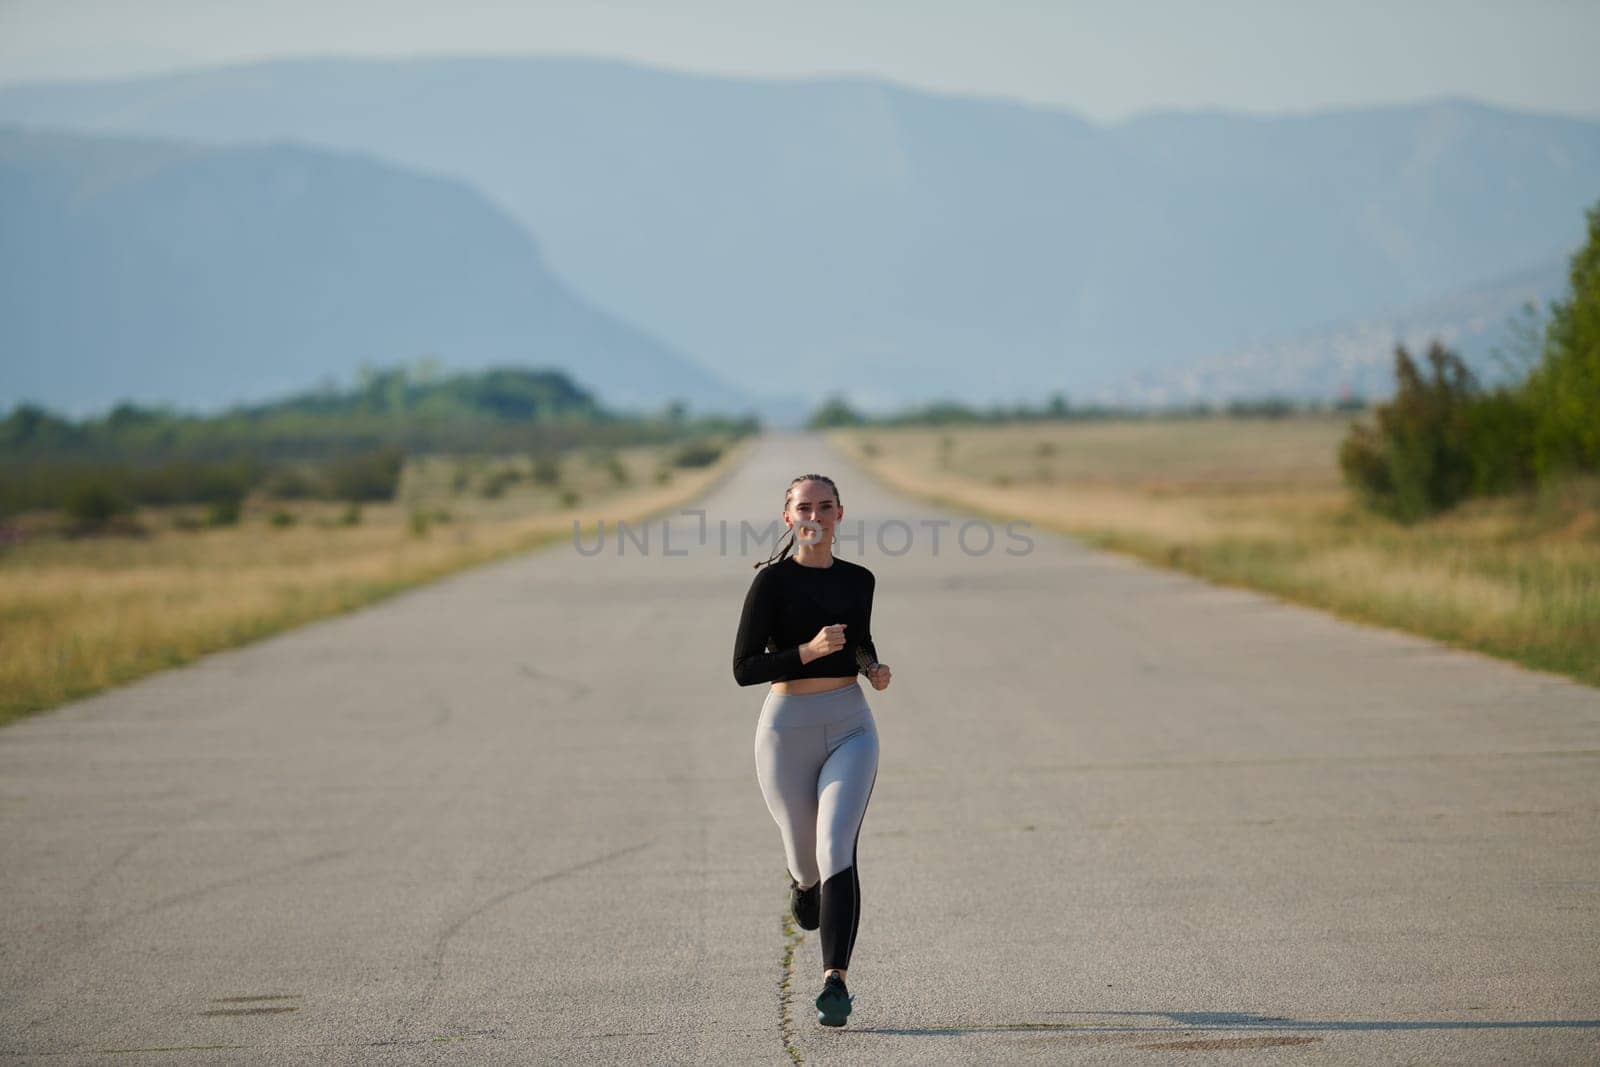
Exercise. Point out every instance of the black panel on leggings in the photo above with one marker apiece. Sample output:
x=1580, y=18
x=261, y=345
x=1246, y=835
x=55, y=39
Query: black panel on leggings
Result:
x=787, y=604
x=841, y=912
x=841, y=908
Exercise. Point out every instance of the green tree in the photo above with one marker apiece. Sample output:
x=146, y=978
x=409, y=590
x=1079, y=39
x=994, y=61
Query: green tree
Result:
x=1565, y=388
x=834, y=411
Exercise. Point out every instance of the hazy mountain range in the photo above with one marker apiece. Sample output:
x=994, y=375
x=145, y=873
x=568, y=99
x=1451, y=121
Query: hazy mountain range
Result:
x=153, y=271
x=898, y=245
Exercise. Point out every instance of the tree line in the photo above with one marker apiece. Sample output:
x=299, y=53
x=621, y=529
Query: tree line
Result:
x=835, y=411
x=328, y=443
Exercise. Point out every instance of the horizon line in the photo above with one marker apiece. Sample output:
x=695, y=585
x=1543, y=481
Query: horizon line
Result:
x=821, y=78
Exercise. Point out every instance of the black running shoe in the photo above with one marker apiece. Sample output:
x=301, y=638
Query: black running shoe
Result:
x=805, y=905
x=833, y=1003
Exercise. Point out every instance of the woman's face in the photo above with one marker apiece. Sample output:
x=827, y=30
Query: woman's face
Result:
x=812, y=513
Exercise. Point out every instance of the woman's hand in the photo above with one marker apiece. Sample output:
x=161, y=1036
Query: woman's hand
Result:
x=829, y=640
x=879, y=677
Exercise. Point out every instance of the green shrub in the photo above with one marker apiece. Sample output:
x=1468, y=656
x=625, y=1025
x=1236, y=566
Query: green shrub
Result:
x=496, y=484
x=282, y=519
x=224, y=510
x=292, y=482
x=697, y=454
x=1263, y=407
x=201, y=481
x=834, y=411
x=1420, y=456
x=546, y=469
x=373, y=475
x=92, y=502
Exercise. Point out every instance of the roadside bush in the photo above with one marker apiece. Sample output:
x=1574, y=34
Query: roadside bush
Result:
x=546, y=469
x=697, y=454
x=1417, y=459
x=92, y=503
x=224, y=510
x=371, y=475
x=221, y=485
x=496, y=484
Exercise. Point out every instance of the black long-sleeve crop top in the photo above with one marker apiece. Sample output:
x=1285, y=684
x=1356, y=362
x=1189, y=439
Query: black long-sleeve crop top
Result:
x=787, y=604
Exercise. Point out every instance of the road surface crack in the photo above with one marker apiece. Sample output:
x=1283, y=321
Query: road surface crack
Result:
x=793, y=936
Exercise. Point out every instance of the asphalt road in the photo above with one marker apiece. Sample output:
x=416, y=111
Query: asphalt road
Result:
x=1122, y=816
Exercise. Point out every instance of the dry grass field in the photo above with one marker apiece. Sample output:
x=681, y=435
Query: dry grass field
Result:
x=1260, y=503
x=78, y=614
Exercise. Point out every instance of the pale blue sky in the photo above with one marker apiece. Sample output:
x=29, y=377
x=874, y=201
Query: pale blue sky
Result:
x=1105, y=60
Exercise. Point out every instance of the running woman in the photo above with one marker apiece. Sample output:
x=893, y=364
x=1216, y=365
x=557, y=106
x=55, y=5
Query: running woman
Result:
x=806, y=628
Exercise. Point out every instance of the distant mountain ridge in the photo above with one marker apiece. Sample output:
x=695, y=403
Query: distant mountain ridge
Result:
x=159, y=271
x=1356, y=358
x=899, y=245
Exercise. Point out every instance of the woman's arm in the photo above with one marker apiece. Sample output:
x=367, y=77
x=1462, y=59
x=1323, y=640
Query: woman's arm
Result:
x=752, y=663
x=866, y=618
x=877, y=673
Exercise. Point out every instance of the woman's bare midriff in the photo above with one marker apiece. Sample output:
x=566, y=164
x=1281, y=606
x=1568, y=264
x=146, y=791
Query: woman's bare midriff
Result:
x=811, y=685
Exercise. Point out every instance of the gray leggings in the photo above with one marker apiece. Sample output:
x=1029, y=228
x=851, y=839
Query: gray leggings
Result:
x=817, y=760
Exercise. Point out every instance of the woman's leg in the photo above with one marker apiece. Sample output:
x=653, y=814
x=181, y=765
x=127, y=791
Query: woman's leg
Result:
x=842, y=790
x=787, y=761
